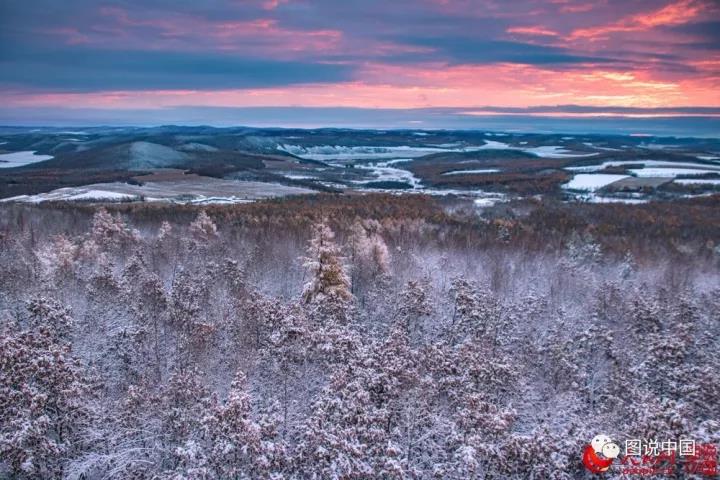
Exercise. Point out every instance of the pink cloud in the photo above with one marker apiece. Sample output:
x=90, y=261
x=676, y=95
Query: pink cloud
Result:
x=273, y=4
x=534, y=30
x=393, y=86
x=579, y=8
x=262, y=35
x=676, y=13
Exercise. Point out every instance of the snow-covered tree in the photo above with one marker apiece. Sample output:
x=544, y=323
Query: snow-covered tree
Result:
x=44, y=396
x=110, y=232
x=203, y=229
x=325, y=268
x=238, y=446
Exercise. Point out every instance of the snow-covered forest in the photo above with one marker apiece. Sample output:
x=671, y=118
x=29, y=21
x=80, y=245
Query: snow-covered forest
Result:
x=351, y=338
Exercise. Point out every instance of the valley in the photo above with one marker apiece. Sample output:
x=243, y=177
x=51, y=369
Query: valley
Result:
x=232, y=165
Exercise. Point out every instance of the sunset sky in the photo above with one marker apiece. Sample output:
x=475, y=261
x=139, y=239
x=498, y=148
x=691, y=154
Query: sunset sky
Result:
x=166, y=59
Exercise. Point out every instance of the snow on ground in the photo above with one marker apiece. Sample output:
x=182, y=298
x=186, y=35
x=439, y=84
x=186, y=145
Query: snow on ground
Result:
x=597, y=199
x=545, y=151
x=383, y=172
x=696, y=181
x=708, y=157
x=486, y=202
x=657, y=146
x=203, y=200
x=18, y=159
x=192, y=189
x=644, y=163
x=336, y=152
x=481, y=170
x=554, y=151
x=481, y=197
x=608, y=149
x=73, y=194
x=592, y=182
x=293, y=176
x=101, y=195
x=669, y=172
x=493, y=145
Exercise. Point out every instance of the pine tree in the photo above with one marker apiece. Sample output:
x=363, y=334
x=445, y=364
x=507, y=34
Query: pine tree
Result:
x=110, y=232
x=324, y=265
x=203, y=229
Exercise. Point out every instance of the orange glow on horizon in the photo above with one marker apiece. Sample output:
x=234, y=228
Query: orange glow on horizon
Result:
x=508, y=85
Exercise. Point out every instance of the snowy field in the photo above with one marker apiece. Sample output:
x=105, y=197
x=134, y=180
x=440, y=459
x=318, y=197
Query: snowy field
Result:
x=336, y=152
x=592, y=182
x=644, y=163
x=385, y=172
x=544, y=151
x=670, y=172
x=595, y=198
x=194, y=189
x=697, y=181
x=481, y=170
x=555, y=152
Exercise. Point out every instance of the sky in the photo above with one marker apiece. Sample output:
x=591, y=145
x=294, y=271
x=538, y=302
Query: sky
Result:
x=426, y=63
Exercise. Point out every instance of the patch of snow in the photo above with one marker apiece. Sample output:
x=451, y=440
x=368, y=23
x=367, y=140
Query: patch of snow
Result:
x=598, y=147
x=554, y=151
x=592, y=182
x=494, y=145
x=383, y=172
x=101, y=196
x=393, y=162
x=700, y=181
x=73, y=194
x=18, y=159
x=546, y=151
x=485, y=202
x=480, y=170
x=337, y=152
x=299, y=177
x=629, y=201
x=669, y=172
x=192, y=189
x=644, y=163
x=657, y=146
x=17, y=198
x=202, y=200
x=708, y=157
